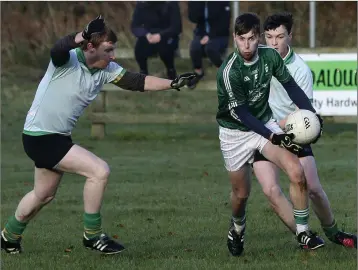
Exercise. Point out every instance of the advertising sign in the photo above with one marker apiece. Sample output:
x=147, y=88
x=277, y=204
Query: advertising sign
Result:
x=334, y=83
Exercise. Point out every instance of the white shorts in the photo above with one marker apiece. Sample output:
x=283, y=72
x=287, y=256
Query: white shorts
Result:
x=238, y=147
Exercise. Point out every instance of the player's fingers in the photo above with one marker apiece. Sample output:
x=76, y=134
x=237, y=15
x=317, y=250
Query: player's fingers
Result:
x=291, y=135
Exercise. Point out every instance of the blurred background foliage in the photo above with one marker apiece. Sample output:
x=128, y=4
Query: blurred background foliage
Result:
x=30, y=28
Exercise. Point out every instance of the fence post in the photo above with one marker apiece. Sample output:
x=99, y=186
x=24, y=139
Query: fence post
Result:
x=99, y=105
x=234, y=14
x=312, y=11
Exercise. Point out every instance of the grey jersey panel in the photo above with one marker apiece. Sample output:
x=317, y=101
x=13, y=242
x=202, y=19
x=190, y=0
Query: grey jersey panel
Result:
x=280, y=103
x=64, y=93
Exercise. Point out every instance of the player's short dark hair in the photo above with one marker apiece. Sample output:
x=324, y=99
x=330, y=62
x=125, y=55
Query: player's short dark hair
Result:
x=276, y=20
x=247, y=22
x=96, y=39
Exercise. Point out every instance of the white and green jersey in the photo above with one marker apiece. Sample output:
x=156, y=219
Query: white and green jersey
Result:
x=64, y=92
x=280, y=103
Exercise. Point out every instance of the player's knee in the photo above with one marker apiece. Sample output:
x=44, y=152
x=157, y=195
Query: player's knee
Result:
x=316, y=192
x=296, y=173
x=240, y=195
x=102, y=171
x=272, y=191
x=44, y=197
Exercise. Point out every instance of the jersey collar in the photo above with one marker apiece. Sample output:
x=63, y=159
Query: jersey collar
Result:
x=247, y=63
x=82, y=59
x=289, y=56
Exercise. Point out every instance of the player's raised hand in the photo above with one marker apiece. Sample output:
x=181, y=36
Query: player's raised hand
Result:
x=182, y=80
x=320, y=133
x=95, y=26
x=285, y=140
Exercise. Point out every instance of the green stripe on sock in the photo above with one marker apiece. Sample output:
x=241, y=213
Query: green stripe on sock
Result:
x=92, y=225
x=239, y=220
x=14, y=229
x=301, y=211
x=331, y=230
x=301, y=216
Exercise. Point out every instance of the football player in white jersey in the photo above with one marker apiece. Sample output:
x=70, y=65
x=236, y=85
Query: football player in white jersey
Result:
x=81, y=63
x=278, y=35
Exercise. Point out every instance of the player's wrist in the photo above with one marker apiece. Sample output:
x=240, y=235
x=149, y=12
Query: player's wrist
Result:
x=79, y=37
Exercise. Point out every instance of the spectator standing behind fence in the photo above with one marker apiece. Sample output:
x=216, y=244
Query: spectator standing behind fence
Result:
x=211, y=35
x=157, y=26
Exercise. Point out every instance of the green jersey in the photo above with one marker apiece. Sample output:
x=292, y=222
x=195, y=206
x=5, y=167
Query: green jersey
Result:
x=240, y=83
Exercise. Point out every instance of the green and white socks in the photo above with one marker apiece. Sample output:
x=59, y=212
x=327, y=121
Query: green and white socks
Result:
x=301, y=219
x=239, y=223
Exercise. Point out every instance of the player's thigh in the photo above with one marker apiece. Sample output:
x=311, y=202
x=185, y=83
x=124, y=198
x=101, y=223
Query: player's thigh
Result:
x=267, y=174
x=46, y=182
x=236, y=147
x=83, y=162
x=46, y=151
x=310, y=169
x=284, y=159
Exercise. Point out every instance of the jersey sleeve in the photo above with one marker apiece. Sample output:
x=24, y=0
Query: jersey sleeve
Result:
x=303, y=78
x=280, y=70
x=232, y=85
x=113, y=73
x=67, y=68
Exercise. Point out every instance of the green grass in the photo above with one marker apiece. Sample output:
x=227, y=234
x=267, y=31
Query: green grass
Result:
x=167, y=198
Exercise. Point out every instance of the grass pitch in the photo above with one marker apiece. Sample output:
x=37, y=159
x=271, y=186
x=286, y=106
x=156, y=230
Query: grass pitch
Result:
x=168, y=193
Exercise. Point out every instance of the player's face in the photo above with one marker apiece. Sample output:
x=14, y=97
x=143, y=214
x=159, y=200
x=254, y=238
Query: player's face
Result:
x=104, y=54
x=247, y=45
x=278, y=39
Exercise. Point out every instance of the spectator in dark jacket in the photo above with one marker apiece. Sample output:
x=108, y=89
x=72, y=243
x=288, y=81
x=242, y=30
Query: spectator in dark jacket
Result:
x=157, y=26
x=211, y=35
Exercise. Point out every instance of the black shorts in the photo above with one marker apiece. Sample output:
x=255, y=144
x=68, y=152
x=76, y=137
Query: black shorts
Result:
x=46, y=150
x=305, y=152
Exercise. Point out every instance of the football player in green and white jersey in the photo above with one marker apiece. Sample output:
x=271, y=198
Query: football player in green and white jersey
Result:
x=246, y=125
x=81, y=63
x=278, y=35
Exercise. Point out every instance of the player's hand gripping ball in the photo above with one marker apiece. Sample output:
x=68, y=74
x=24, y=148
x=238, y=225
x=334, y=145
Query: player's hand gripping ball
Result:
x=305, y=125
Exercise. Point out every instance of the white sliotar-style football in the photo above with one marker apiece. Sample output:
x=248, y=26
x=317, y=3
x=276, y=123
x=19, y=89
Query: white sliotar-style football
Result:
x=304, y=125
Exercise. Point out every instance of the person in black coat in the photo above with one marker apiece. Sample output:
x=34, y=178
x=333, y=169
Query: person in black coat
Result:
x=157, y=26
x=211, y=35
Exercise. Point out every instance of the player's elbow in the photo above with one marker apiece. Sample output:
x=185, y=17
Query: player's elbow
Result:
x=58, y=58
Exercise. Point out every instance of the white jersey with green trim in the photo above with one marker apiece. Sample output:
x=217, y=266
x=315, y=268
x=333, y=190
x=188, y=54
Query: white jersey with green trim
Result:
x=64, y=92
x=280, y=103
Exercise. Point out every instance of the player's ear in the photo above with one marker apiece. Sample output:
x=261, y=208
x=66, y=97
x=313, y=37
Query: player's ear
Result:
x=90, y=46
x=290, y=35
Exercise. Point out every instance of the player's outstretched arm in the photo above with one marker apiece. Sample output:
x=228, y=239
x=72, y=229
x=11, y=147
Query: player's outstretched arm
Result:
x=138, y=82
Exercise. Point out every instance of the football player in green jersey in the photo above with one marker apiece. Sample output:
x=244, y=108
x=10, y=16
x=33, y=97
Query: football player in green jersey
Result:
x=246, y=125
x=81, y=63
x=278, y=35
